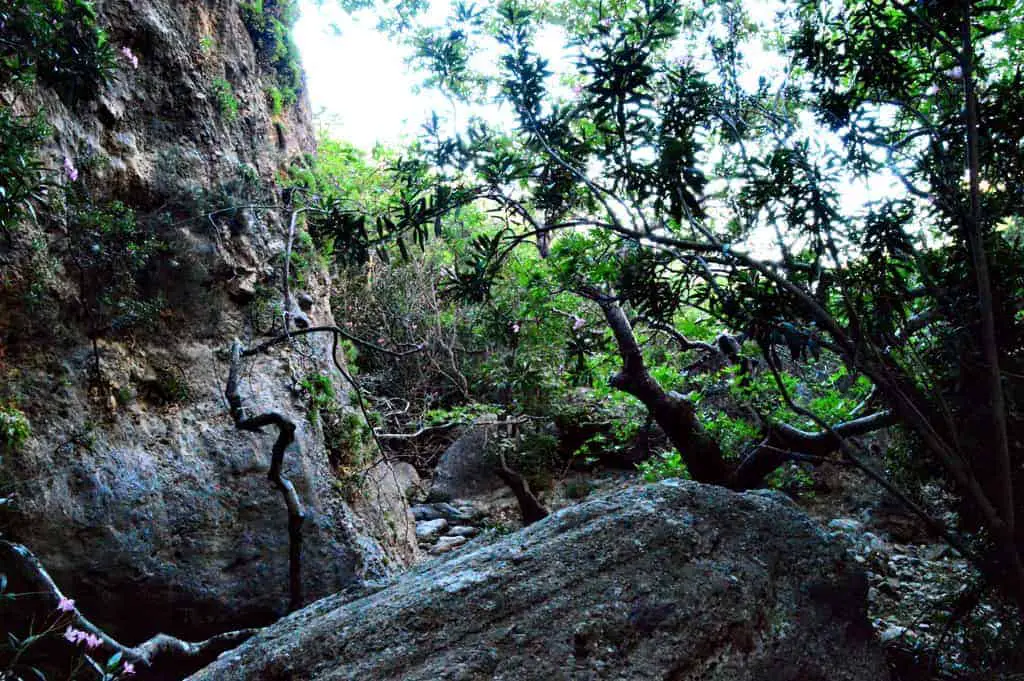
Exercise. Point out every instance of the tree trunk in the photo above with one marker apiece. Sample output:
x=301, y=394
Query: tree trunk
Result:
x=673, y=413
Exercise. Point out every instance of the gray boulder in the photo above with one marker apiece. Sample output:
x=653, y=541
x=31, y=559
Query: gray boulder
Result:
x=671, y=581
x=465, y=469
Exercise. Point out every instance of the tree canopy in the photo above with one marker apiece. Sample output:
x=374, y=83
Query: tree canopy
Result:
x=830, y=177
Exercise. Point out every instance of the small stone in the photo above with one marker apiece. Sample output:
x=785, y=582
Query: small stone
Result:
x=439, y=510
x=446, y=544
x=428, y=529
x=893, y=632
x=935, y=552
x=463, y=531
x=845, y=525
x=425, y=512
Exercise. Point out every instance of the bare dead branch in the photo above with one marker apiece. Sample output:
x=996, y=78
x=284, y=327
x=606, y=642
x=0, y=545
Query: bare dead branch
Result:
x=285, y=437
x=25, y=568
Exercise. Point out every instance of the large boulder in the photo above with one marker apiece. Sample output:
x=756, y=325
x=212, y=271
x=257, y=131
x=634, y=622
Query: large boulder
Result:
x=671, y=581
x=466, y=468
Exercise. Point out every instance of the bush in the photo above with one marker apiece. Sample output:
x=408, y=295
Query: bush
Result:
x=269, y=24
x=109, y=254
x=21, y=174
x=226, y=100
x=14, y=429
x=58, y=42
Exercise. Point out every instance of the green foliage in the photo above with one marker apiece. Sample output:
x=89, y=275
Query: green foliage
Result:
x=732, y=434
x=535, y=456
x=21, y=174
x=269, y=24
x=226, y=100
x=14, y=429
x=793, y=479
x=275, y=98
x=320, y=393
x=59, y=43
x=170, y=386
x=110, y=254
x=665, y=465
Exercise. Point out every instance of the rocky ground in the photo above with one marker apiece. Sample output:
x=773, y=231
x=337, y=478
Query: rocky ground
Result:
x=914, y=581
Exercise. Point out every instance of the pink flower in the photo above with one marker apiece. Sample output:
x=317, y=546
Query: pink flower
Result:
x=515, y=327
x=578, y=323
x=129, y=669
x=78, y=636
x=70, y=170
x=66, y=605
x=127, y=53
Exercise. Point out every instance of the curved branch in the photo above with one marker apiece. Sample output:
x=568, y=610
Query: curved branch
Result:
x=786, y=443
x=332, y=329
x=285, y=437
x=188, y=656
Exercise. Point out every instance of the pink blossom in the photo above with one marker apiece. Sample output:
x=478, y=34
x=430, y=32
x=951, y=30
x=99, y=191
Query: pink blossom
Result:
x=129, y=669
x=578, y=323
x=576, y=89
x=78, y=636
x=515, y=327
x=127, y=53
x=66, y=604
x=70, y=170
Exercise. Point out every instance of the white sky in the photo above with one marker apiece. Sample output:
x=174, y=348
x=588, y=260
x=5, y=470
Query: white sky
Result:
x=357, y=78
x=363, y=92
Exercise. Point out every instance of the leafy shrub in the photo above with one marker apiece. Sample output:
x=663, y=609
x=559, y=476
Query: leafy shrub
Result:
x=58, y=42
x=666, y=465
x=109, y=253
x=21, y=173
x=320, y=393
x=276, y=100
x=170, y=386
x=226, y=100
x=269, y=24
x=793, y=479
x=345, y=434
x=14, y=429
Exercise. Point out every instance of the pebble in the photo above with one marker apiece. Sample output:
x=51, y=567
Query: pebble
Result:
x=438, y=511
x=428, y=529
x=464, y=531
x=845, y=525
x=446, y=544
x=894, y=632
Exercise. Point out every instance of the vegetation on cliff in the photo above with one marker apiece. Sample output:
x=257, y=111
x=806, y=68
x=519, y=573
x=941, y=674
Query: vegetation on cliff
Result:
x=713, y=249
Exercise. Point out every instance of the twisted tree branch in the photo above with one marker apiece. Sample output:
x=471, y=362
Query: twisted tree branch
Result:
x=163, y=650
x=285, y=437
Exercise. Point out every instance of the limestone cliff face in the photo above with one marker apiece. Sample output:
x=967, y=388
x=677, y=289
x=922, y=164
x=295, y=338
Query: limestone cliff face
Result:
x=136, y=490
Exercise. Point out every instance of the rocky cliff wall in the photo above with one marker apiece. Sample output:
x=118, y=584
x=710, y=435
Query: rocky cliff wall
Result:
x=135, y=488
